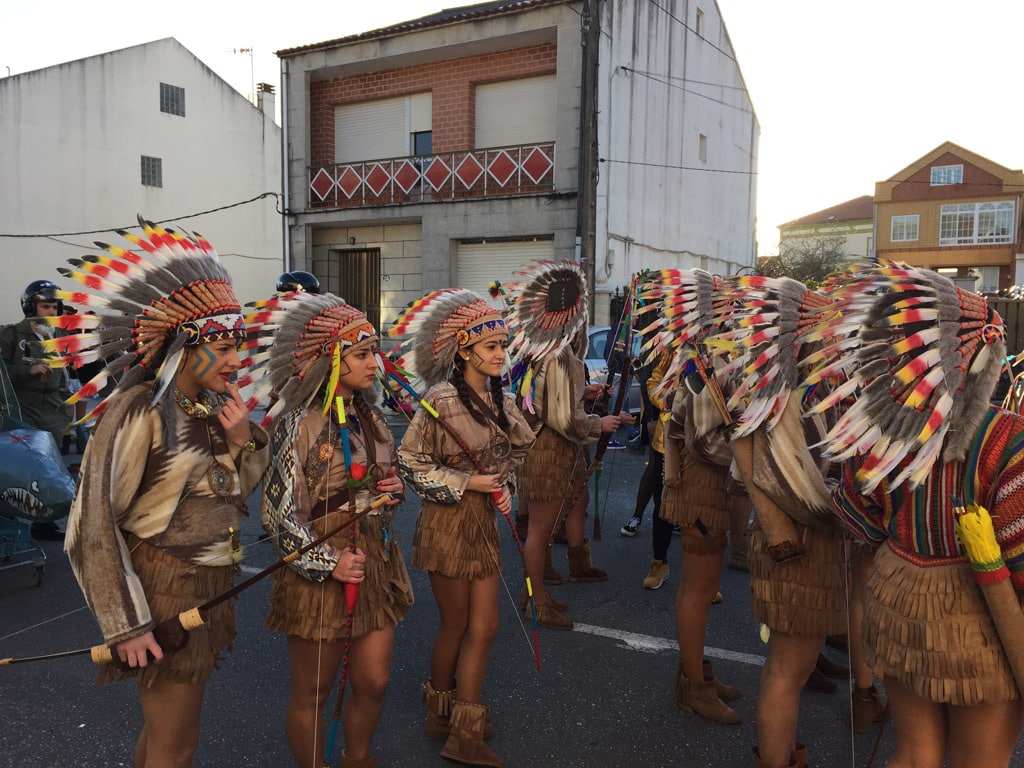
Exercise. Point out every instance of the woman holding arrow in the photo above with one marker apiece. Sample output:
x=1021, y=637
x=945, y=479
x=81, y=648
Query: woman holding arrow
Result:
x=154, y=525
x=460, y=457
x=339, y=604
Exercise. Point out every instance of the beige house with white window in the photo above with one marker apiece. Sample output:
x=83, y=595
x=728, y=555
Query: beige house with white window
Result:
x=955, y=212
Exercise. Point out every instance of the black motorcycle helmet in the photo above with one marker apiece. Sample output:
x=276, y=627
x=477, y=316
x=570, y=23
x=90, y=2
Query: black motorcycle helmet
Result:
x=297, y=281
x=40, y=290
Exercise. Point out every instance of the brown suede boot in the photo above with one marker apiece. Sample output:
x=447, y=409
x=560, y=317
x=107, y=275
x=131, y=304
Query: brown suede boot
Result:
x=725, y=692
x=349, y=762
x=545, y=597
x=551, y=574
x=580, y=566
x=868, y=708
x=702, y=699
x=439, y=709
x=552, y=618
x=465, y=742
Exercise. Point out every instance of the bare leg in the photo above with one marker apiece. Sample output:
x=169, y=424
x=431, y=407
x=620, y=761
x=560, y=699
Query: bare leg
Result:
x=791, y=659
x=542, y=523
x=860, y=560
x=697, y=587
x=576, y=520
x=920, y=729
x=170, y=731
x=312, y=669
x=452, y=596
x=476, y=648
x=984, y=734
x=369, y=670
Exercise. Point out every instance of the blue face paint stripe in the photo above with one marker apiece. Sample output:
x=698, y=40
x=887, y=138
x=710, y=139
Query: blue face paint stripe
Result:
x=200, y=367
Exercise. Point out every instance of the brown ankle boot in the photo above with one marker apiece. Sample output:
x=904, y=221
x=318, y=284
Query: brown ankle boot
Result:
x=465, y=742
x=580, y=567
x=540, y=597
x=552, y=618
x=725, y=692
x=439, y=708
x=798, y=757
x=868, y=708
x=349, y=762
x=702, y=699
x=551, y=574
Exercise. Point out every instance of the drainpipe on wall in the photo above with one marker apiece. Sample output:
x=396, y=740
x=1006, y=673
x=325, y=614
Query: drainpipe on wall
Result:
x=586, y=216
x=285, y=187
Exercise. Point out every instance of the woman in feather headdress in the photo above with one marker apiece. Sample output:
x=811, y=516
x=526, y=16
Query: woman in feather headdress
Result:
x=461, y=457
x=330, y=447
x=153, y=529
x=927, y=356
x=549, y=339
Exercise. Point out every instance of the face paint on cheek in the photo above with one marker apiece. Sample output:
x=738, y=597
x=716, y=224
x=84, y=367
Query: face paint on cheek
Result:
x=477, y=361
x=202, y=361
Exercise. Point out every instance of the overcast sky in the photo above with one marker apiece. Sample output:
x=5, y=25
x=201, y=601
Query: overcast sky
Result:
x=846, y=93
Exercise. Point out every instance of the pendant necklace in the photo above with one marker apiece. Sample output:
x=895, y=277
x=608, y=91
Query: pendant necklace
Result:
x=220, y=477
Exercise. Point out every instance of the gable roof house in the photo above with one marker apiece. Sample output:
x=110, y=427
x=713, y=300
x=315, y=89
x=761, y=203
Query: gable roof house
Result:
x=150, y=130
x=852, y=220
x=451, y=149
x=955, y=212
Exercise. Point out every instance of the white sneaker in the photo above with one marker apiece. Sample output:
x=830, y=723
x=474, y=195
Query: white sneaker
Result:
x=631, y=527
x=657, y=575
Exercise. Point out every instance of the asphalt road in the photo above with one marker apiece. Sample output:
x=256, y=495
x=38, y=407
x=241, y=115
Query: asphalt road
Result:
x=604, y=695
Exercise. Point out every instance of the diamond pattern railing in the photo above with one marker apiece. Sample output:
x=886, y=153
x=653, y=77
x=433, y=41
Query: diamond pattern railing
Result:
x=469, y=174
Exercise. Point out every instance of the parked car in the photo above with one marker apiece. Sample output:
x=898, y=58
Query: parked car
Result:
x=597, y=364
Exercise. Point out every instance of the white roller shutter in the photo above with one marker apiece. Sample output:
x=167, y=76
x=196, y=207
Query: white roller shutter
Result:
x=516, y=112
x=477, y=265
x=371, y=131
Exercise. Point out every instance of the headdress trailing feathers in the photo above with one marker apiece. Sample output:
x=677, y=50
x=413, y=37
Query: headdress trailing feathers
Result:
x=923, y=357
x=438, y=325
x=549, y=309
x=298, y=340
x=148, y=306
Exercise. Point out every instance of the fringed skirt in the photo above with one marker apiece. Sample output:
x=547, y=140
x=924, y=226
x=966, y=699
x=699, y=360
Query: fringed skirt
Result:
x=317, y=611
x=554, y=467
x=929, y=629
x=173, y=586
x=700, y=504
x=805, y=596
x=461, y=541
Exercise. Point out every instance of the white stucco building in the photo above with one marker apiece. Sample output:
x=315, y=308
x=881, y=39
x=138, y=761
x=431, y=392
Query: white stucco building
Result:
x=151, y=130
x=450, y=149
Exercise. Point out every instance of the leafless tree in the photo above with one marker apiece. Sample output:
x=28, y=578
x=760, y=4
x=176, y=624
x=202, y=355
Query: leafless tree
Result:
x=810, y=260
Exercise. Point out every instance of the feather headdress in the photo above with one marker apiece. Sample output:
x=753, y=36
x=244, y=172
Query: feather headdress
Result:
x=440, y=324
x=298, y=340
x=924, y=357
x=764, y=319
x=147, y=307
x=685, y=304
x=549, y=309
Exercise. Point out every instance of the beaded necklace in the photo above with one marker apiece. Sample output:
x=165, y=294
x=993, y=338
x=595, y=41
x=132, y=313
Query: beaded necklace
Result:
x=220, y=477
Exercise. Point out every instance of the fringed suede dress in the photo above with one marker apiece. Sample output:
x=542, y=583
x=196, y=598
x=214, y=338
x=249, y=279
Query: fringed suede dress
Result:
x=926, y=623
x=312, y=610
x=457, y=530
x=558, y=461
x=695, y=495
x=154, y=527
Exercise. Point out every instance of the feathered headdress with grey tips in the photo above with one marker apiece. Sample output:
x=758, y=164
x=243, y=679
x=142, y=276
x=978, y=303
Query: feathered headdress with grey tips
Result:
x=298, y=340
x=438, y=325
x=923, y=358
x=147, y=307
x=549, y=309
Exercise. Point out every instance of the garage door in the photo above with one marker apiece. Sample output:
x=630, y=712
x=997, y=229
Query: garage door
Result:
x=478, y=264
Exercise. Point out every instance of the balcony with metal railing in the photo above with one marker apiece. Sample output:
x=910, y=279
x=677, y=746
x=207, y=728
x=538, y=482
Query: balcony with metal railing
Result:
x=465, y=175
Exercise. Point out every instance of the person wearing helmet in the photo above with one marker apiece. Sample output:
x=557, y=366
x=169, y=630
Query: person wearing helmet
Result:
x=41, y=390
x=297, y=281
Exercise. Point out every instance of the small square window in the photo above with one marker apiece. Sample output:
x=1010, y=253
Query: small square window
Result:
x=942, y=175
x=905, y=228
x=152, y=171
x=422, y=143
x=172, y=99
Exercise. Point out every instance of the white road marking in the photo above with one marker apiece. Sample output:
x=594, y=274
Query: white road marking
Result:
x=250, y=569
x=649, y=644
